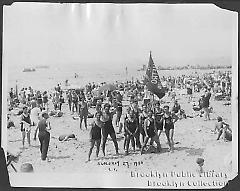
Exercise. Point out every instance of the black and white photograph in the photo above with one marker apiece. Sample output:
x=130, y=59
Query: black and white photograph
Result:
x=108, y=95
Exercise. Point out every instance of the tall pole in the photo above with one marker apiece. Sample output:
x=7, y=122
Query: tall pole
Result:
x=16, y=90
x=126, y=69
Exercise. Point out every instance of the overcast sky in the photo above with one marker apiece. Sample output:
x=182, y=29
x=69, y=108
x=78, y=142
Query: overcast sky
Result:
x=114, y=34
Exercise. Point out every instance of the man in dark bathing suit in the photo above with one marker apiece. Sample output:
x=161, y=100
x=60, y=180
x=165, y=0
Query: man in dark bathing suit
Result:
x=168, y=123
x=107, y=128
x=131, y=128
x=150, y=132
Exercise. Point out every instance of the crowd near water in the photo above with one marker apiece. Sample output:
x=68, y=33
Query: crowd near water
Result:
x=124, y=108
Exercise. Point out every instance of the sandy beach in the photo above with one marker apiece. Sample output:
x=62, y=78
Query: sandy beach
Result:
x=193, y=138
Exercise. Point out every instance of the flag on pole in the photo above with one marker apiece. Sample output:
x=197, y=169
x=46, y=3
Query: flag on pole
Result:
x=152, y=79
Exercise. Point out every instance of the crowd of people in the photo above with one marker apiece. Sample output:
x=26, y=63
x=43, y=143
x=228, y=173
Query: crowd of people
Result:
x=145, y=117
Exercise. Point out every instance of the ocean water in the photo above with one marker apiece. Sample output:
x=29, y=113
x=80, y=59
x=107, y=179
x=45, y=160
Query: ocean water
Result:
x=48, y=78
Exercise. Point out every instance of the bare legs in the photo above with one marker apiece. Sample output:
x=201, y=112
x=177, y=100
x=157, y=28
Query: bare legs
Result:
x=91, y=148
x=28, y=138
x=85, y=121
x=169, y=134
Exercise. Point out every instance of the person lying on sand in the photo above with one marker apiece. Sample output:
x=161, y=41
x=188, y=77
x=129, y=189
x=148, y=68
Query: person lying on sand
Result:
x=95, y=135
x=67, y=137
x=223, y=129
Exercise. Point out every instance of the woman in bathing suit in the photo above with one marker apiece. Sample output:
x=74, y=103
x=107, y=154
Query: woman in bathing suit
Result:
x=95, y=135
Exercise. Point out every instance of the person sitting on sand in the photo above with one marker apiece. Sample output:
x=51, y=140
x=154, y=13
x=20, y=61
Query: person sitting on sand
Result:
x=131, y=129
x=222, y=128
x=95, y=135
x=43, y=135
x=107, y=128
x=150, y=132
x=25, y=125
x=168, y=124
x=83, y=112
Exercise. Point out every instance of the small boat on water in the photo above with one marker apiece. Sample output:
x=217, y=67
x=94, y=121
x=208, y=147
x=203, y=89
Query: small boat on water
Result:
x=29, y=70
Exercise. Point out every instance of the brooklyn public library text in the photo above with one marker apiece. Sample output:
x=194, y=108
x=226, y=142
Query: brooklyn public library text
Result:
x=192, y=183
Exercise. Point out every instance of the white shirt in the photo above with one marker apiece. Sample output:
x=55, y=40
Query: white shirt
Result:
x=35, y=114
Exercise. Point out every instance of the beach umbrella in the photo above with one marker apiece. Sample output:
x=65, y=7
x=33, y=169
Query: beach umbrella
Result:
x=107, y=87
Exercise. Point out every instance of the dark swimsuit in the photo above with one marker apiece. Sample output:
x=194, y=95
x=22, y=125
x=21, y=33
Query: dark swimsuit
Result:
x=159, y=122
x=95, y=132
x=107, y=127
x=150, y=129
x=39, y=99
x=132, y=125
x=26, y=119
x=169, y=123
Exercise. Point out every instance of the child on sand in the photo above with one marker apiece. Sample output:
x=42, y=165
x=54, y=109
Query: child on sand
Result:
x=223, y=129
x=95, y=135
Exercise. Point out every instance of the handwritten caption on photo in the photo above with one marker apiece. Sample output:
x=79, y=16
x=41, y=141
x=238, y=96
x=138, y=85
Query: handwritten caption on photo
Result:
x=114, y=165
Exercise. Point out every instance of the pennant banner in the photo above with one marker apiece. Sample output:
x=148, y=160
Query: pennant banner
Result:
x=152, y=80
